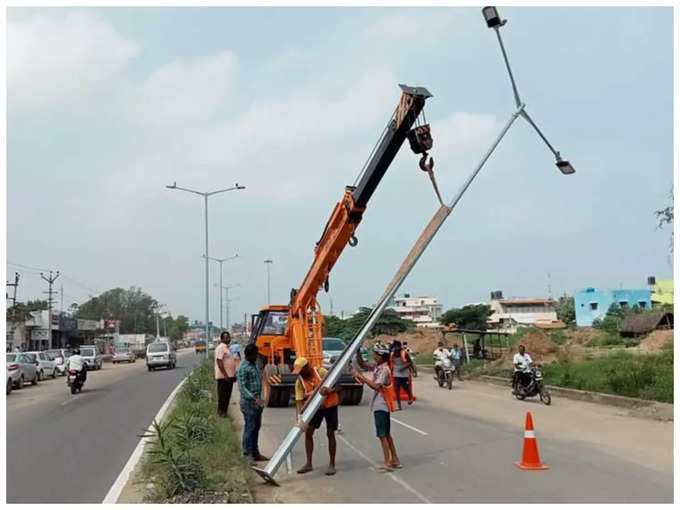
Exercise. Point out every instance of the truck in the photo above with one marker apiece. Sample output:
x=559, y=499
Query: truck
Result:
x=284, y=332
x=136, y=342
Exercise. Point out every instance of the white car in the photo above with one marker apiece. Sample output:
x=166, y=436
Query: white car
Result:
x=59, y=356
x=160, y=354
x=124, y=355
x=44, y=364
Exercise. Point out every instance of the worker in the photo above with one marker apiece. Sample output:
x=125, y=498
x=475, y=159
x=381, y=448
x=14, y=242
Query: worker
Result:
x=308, y=380
x=439, y=354
x=399, y=365
x=225, y=373
x=381, y=404
x=250, y=387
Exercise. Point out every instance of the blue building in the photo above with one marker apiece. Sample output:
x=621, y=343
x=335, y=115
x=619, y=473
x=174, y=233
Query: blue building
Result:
x=591, y=304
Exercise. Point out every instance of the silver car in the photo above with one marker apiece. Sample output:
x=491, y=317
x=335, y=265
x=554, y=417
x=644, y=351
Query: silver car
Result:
x=91, y=356
x=45, y=364
x=59, y=356
x=160, y=354
x=21, y=369
x=124, y=355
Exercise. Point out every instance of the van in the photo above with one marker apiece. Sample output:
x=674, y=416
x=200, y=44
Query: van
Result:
x=91, y=356
x=160, y=354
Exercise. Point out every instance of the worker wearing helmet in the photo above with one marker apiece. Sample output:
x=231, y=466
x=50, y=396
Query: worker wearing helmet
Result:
x=309, y=379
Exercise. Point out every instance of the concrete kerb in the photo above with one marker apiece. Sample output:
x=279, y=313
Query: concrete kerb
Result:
x=574, y=394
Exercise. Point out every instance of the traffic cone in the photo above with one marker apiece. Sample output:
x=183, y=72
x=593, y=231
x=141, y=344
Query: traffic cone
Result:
x=530, y=458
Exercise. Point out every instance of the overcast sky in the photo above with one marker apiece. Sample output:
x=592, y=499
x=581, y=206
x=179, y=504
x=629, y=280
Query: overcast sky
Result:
x=107, y=106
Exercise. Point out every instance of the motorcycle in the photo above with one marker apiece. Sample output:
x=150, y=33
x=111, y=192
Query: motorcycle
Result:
x=444, y=373
x=75, y=381
x=535, y=387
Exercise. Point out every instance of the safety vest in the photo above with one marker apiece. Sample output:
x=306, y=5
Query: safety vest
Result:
x=332, y=399
x=403, y=358
x=387, y=393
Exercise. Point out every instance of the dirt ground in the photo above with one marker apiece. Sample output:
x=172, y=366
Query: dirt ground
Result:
x=655, y=341
x=421, y=341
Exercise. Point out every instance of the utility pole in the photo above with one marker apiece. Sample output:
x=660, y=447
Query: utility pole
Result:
x=61, y=304
x=268, y=262
x=549, y=288
x=14, y=291
x=50, y=281
x=226, y=289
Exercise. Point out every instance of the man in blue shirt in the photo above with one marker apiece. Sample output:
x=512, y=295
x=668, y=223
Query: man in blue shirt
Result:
x=249, y=379
x=456, y=355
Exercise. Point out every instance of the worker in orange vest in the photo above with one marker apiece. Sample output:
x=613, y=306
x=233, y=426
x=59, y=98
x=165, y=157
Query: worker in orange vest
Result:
x=309, y=379
x=400, y=363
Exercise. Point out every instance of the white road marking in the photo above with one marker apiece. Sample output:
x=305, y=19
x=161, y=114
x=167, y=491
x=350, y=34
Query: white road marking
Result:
x=391, y=475
x=410, y=427
x=117, y=487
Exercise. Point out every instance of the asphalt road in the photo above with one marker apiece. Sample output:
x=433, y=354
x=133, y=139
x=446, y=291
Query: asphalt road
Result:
x=459, y=446
x=70, y=449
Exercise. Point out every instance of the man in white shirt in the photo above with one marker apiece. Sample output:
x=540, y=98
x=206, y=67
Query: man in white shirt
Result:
x=76, y=362
x=521, y=363
x=439, y=355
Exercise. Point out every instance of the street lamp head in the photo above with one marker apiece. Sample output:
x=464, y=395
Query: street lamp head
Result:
x=239, y=187
x=172, y=186
x=565, y=167
x=492, y=17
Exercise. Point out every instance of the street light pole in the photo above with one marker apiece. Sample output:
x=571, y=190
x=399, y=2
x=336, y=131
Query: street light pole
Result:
x=221, y=261
x=268, y=262
x=226, y=289
x=205, y=195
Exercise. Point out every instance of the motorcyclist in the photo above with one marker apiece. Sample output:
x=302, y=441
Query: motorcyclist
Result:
x=77, y=362
x=522, y=368
x=439, y=355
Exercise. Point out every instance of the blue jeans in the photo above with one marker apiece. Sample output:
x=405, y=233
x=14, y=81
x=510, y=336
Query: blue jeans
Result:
x=251, y=431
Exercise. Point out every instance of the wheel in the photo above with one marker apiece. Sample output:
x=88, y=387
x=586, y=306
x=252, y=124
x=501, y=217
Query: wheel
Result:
x=9, y=386
x=73, y=389
x=20, y=384
x=545, y=396
x=449, y=381
x=440, y=380
x=54, y=373
x=35, y=380
x=148, y=367
x=40, y=375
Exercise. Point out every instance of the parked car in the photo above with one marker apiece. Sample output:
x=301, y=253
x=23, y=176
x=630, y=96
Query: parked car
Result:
x=160, y=354
x=123, y=354
x=59, y=356
x=91, y=356
x=22, y=369
x=332, y=349
x=44, y=364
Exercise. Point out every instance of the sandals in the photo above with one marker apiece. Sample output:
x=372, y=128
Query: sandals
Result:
x=383, y=469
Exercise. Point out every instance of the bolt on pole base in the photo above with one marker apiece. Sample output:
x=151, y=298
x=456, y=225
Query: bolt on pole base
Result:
x=265, y=476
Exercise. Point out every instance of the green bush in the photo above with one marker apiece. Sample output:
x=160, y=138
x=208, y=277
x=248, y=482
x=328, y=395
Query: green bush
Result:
x=194, y=450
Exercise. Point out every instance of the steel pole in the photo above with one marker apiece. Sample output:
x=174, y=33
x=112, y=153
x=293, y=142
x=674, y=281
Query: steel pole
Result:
x=268, y=472
x=221, y=305
x=207, y=261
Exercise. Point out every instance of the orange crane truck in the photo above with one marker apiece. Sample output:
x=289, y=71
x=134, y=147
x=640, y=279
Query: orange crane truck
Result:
x=284, y=332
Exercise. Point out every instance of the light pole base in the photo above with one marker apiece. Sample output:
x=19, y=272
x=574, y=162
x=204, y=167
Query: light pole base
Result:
x=265, y=476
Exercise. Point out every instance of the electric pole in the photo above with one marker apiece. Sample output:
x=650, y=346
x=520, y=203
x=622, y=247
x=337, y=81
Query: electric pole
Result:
x=14, y=291
x=226, y=289
x=50, y=281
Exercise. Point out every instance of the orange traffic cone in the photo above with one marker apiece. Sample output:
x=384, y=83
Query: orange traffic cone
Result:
x=530, y=458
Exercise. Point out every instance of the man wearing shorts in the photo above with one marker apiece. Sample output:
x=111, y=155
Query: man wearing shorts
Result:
x=308, y=380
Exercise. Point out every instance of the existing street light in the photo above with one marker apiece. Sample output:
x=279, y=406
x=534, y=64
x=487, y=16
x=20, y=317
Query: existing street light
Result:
x=205, y=195
x=221, y=261
x=493, y=20
x=268, y=262
x=226, y=289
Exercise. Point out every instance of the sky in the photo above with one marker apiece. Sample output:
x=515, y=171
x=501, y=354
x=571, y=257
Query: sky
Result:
x=107, y=106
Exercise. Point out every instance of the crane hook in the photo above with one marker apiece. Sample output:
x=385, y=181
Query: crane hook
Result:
x=425, y=166
x=353, y=241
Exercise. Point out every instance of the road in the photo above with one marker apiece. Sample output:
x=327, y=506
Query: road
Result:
x=70, y=449
x=459, y=447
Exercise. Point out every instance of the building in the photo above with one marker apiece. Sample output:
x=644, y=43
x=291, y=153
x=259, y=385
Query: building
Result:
x=511, y=314
x=591, y=304
x=662, y=293
x=423, y=310
x=641, y=324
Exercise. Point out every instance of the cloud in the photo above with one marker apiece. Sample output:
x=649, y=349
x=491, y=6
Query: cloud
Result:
x=54, y=61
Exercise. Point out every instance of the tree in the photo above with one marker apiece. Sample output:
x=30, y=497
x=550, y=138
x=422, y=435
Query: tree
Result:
x=177, y=327
x=21, y=310
x=565, y=310
x=389, y=323
x=135, y=309
x=468, y=317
